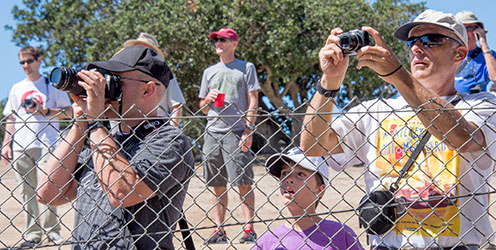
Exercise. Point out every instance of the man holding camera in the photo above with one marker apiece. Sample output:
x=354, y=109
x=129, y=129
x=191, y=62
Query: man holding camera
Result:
x=443, y=208
x=479, y=68
x=128, y=188
x=31, y=130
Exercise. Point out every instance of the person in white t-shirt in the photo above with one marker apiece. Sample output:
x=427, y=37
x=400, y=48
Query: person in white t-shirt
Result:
x=32, y=112
x=173, y=99
x=443, y=209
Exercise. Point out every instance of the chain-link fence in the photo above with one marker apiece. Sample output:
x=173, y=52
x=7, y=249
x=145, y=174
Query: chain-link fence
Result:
x=446, y=197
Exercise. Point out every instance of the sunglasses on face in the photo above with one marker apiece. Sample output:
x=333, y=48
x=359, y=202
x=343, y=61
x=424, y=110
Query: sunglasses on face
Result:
x=428, y=40
x=29, y=61
x=138, y=80
x=471, y=28
x=221, y=39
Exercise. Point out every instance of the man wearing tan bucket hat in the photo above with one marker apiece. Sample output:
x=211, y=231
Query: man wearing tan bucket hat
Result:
x=479, y=68
x=173, y=97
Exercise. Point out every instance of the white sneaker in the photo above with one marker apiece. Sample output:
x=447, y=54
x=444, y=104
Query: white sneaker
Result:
x=56, y=238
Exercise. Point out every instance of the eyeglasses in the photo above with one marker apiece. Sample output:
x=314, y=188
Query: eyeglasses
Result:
x=139, y=80
x=471, y=28
x=29, y=61
x=428, y=40
x=221, y=39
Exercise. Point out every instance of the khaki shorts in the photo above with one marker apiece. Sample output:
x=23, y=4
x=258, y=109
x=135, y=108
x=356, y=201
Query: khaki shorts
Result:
x=224, y=160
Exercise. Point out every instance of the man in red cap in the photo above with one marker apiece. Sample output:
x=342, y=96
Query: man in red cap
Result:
x=229, y=96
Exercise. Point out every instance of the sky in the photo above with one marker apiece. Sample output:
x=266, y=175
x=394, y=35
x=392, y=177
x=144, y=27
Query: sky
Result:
x=12, y=72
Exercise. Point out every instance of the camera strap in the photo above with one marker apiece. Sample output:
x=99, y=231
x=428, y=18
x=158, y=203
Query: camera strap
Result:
x=47, y=89
x=416, y=152
x=413, y=157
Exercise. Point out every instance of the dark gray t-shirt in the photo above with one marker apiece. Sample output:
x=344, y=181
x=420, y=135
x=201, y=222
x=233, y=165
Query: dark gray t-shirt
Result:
x=163, y=160
x=235, y=79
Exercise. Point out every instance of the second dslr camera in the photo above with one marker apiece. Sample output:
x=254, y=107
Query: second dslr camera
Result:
x=353, y=40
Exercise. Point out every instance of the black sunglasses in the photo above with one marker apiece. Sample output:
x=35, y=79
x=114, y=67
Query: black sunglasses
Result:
x=139, y=80
x=29, y=61
x=428, y=40
x=221, y=39
x=471, y=28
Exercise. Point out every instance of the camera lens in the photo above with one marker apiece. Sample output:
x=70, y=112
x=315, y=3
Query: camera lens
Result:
x=66, y=79
x=28, y=103
x=55, y=75
x=353, y=40
x=349, y=43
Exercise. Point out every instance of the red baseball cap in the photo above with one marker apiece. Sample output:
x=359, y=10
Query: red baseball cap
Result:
x=224, y=32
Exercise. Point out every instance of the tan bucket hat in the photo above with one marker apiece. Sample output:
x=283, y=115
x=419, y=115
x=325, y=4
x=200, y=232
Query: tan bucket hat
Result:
x=148, y=40
x=468, y=17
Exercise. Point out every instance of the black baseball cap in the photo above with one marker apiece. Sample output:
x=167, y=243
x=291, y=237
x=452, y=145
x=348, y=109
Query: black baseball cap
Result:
x=139, y=58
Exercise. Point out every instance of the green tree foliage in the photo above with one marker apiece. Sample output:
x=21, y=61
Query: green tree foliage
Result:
x=282, y=38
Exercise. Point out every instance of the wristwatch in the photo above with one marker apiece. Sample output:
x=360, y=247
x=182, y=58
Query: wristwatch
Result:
x=94, y=125
x=325, y=92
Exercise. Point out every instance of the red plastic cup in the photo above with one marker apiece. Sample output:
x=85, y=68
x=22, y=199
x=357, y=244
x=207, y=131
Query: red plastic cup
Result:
x=219, y=101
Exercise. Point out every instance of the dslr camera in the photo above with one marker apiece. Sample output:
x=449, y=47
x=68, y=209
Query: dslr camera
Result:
x=66, y=79
x=28, y=103
x=353, y=40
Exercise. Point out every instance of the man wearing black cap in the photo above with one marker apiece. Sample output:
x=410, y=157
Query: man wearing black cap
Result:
x=129, y=187
x=445, y=189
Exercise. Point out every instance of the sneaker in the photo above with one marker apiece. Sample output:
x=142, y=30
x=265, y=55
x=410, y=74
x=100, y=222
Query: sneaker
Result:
x=249, y=237
x=56, y=238
x=218, y=237
x=30, y=243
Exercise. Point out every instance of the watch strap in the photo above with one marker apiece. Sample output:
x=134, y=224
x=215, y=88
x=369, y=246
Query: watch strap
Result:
x=94, y=125
x=325, y=92
x=251, y=127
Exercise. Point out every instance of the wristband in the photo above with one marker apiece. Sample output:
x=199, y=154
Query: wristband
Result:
x=251, y=127
x=48, y=112
x=95, y=125
x=487, y=51
x=325, y=92
x=394, y=71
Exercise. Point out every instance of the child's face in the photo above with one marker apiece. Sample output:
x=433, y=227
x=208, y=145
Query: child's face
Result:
x=299, y=186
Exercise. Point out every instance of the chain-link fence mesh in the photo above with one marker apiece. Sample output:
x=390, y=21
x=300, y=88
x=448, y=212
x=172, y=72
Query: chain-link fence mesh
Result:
x=162, y=163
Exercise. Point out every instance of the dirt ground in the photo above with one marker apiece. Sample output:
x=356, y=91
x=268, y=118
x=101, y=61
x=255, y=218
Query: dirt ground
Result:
x=345, y=191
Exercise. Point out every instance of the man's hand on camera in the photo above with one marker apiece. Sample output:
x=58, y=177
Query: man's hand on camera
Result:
x=35, y=107
x=379, y=58
x=480, y=34
x=332, y=61
x=94, y=84
x=78, y=111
